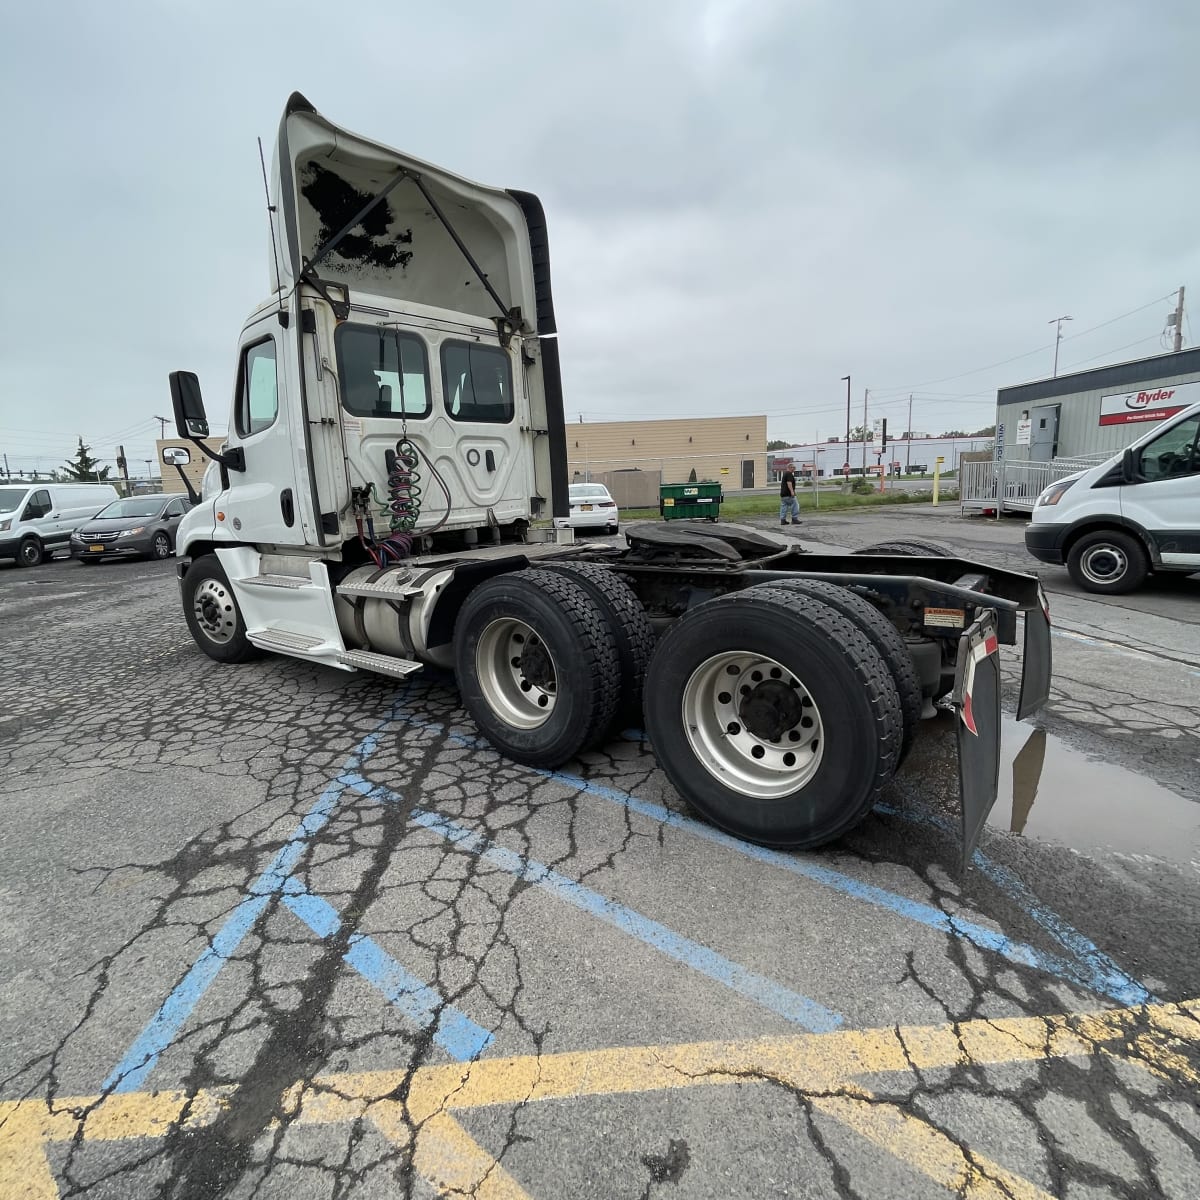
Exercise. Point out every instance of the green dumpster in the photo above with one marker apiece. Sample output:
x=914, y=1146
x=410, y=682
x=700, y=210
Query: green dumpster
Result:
x=687, y=501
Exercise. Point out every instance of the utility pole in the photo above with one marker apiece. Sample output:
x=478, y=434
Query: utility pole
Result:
x=123, y=467
x=1177, y=319
x=908, y=438
x=162, y=433
x=7, y=472
x=846, y=472
x=1057, y=323
x=866, y=393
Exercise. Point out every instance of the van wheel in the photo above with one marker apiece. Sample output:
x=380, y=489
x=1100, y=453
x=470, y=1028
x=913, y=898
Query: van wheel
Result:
x=1108, y=562
x=537, y=666
x=773, y=716
x=31, y=552
x=212, y=613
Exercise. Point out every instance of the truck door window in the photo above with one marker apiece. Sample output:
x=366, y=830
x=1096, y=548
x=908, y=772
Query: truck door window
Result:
x=1173, y=453
x=385, y=372
x=477, y=382
x=258, y=389
x=39, y=506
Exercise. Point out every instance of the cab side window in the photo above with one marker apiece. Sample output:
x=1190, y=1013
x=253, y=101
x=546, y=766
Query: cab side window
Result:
x=38, y=506
x=258, y=389
x=1174, y=453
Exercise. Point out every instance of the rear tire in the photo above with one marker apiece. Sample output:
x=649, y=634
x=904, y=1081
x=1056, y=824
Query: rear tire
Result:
x=212, y=613
x=725, y=746
x=537, y=665
x=631, y=628
x=883, y=635
x=31, y=552
x=1108, y=562
x=914, y=548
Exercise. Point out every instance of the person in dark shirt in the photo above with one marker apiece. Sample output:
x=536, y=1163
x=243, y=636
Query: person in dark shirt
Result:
x=788, y=504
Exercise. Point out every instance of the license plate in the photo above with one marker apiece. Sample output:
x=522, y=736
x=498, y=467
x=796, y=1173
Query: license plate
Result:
x=585, y=508
x=96, y=549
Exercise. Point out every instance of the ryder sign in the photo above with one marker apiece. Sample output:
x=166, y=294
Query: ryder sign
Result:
x=1148, y=404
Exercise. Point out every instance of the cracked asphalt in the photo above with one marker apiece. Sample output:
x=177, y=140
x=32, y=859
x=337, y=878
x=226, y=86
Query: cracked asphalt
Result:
x=281, y=931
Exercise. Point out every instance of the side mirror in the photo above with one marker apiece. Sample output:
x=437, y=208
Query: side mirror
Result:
x=188, y=404
x=1128, y=470
x=176, y=456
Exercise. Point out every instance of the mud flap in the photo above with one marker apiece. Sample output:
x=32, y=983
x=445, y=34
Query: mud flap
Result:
x=976, y=698
x=1039, y=662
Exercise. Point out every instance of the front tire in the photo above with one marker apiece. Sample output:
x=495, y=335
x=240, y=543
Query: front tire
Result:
x=212, y=613
x=537, y=665
x=1108, y=562
x=774, y=716
x=31, y=552
x=161, y=547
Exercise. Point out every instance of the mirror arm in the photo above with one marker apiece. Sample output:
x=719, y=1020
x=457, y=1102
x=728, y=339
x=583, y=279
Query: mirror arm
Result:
x=234, y=459
x=193, y=495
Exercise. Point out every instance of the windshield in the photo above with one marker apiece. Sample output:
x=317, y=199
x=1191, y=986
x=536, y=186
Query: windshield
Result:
x=588, y=491
x=10, y=498
x=132, y=508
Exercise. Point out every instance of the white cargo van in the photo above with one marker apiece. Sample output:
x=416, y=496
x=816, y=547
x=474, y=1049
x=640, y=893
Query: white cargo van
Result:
x=1136, y=513
x=37, y=518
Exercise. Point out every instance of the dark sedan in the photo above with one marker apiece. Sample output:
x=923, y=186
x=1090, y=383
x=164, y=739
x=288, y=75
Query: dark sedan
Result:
x=140, y=527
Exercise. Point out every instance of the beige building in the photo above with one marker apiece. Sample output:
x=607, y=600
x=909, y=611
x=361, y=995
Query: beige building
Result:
x=731, y=450
x=194, y=470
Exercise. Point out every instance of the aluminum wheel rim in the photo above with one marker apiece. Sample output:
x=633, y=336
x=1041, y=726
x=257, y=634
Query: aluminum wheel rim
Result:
x=773, y=755
x=216, y=613
x=516, y=673
x=162, y=546
x=1094, y=559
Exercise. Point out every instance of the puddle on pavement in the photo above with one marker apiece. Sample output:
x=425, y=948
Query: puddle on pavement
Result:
x=1051, y=792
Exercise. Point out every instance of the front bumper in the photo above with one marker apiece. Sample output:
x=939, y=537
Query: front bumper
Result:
x=137, y=547
x=8, y=546
x=1045, y=542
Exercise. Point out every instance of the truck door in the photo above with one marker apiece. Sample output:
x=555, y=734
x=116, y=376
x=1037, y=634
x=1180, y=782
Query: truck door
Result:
x=261, y=503
x=1165, y=500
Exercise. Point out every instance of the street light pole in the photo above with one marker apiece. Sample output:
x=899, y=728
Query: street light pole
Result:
x=845, y=475
x=1057, y=323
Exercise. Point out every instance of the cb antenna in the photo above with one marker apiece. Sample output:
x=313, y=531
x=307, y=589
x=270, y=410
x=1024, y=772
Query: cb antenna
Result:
x=271, y=221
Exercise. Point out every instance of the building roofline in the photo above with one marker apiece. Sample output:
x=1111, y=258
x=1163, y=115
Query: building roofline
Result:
x=1115, y=375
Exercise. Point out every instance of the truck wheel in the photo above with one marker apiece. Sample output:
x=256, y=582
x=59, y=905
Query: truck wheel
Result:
x=537, y=666
x=631, y=629
x=212, y=613
x=1108, y=562
x=910, y=548
x=883, y=635
x=31, y=552
x=774, y=716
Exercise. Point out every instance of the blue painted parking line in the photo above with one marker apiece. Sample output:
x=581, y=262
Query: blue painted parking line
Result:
x=456, y=1033
x=792, y=1006
x=140, y=1059
x=1088, y=966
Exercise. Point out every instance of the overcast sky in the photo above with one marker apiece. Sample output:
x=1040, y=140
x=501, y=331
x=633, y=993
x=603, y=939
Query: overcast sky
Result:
x=747, y=199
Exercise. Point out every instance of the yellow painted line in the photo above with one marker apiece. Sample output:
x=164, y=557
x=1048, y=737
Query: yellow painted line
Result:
x=929, y=1150
x=1153, y=1037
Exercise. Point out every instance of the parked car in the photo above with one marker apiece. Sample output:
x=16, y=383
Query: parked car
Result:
x=592, y=507
x=140, y=526
x=37, y=518
x=1137, y=513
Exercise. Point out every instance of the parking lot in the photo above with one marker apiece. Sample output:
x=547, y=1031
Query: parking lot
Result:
x=282, y=931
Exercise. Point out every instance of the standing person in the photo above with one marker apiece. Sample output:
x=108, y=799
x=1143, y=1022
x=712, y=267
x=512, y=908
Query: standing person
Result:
x=787, y=499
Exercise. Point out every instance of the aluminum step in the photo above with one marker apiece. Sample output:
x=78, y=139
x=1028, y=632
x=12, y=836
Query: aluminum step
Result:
x=381, y=664
x=285, y=642
x=384, y=589
x=278, y=581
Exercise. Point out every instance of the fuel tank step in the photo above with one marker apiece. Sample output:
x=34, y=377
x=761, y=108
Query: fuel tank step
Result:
x=277, y=581
x=381, y=664
x=285, y=642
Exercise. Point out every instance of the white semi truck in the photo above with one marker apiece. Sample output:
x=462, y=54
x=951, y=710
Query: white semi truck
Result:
x=393, y=493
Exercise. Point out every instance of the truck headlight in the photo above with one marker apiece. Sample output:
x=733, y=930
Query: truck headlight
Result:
x=1054, y=493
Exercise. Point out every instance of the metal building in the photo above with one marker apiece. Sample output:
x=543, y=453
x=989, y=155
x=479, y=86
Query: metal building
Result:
x=1054, y=427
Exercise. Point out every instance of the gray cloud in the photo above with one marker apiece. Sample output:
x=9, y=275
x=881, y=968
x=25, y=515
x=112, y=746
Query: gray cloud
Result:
x=746, y=199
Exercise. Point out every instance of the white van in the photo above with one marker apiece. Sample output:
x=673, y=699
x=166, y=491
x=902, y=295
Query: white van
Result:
x=1136, y=513
x=37, y=518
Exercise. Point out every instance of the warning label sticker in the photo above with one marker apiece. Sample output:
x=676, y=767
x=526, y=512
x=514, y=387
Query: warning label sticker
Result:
x=946, y=618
